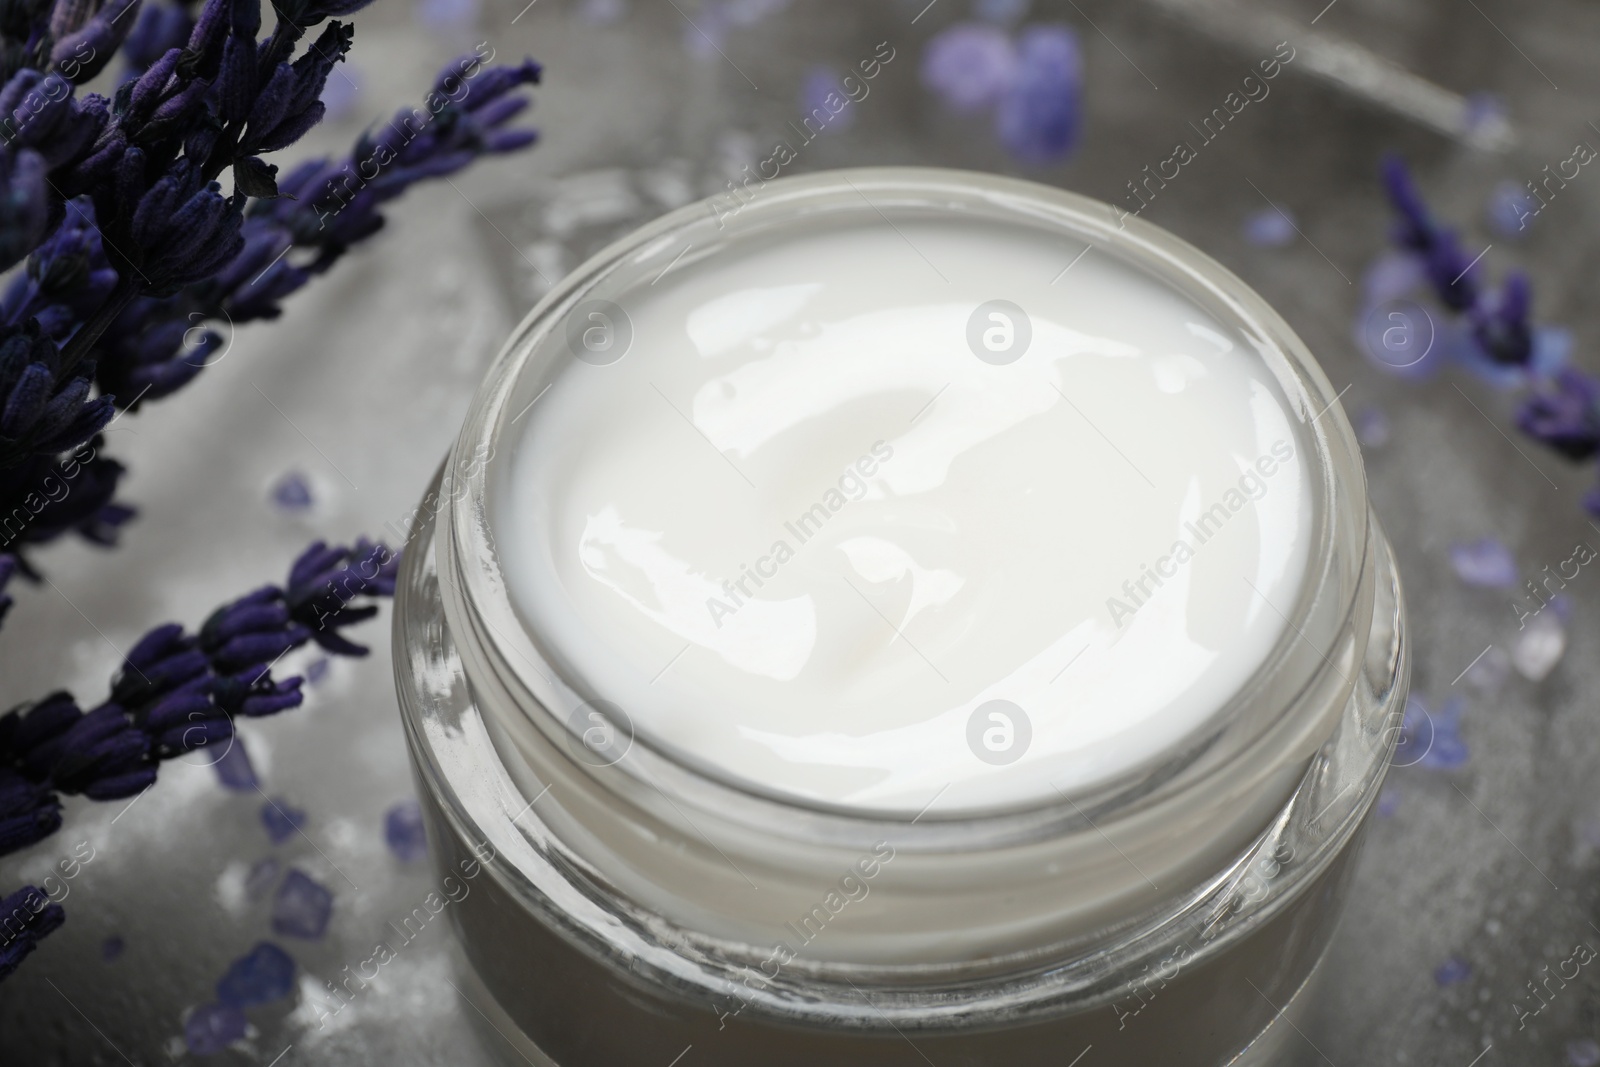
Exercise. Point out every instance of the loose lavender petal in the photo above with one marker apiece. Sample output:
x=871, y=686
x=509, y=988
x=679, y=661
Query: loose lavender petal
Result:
x=210, y=1028
x=404, y=832
x=1269, y=228
x=233, y=768
x=1452, y=971
x=301, y=907
x=262, y=975
x=1583, y=1052
x=281, y=820
x=291, y=493
x=1539, y=646
x=969, y=66
x=1486, y=563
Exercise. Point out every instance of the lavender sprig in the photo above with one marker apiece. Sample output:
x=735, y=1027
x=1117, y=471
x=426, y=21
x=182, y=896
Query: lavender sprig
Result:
x=1561, y=405
x=177, y=692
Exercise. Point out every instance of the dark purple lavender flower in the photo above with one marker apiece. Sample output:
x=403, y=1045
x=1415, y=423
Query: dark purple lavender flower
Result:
x=29, y=812
x=1502, y=329
x=1563, y=413
x=158, y=28
x=325, y=582
x=26, y=916
x=1039, y=114
x=24, y=203
x=1449, y=269
x=88, y=35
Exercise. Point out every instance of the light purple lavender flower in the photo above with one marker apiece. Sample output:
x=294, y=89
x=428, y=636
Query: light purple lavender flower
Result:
x=1452, y=971
x=821, y=91
x=1269, y=228
x=970, y=66
x=1510, y=210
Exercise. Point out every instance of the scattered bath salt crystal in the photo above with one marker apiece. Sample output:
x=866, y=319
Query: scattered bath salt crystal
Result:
x=317, y=669
x=403, y=830
x=260, y=976
x=1511, y=209
x=233, y=767
x=603, y=12
x=210, y=1028
x=281, y=820
x=1452, y=971
x=1539, y=646
x=1486, y=563
x=291, y=492
x=1269, y=228
x=1491, y=670
x=1388, y=802
x=261, y=878
x=1372, y=427
x=969, y=66
x=1583, y=1052
x=821, y=95
x=111, y=948
x=301, y=907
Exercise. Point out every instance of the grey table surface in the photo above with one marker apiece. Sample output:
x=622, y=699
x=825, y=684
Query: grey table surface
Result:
x=361, y=387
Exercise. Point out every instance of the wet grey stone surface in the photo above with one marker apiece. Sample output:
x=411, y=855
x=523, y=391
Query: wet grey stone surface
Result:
x=1492, y=865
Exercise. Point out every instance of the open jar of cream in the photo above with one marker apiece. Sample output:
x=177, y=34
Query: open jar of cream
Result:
x=915, y=617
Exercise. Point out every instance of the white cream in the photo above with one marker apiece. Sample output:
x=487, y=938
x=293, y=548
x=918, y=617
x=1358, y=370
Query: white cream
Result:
x=975, y=530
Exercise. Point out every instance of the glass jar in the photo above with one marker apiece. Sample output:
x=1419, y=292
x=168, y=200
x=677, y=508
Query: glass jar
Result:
x=618, y=905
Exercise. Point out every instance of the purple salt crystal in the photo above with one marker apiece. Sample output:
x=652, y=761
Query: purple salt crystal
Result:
x=233, y=767
x=1511, y=209
x=1583, y=1052
x=281, y=820
x=111, y=948
x=1486, y=563
x=317, y=669
x=821, y=95
x=260, y=976
x=403, y=830
x=210, y=1028
x=1269, y=228
x=301, y=907
x=291, y=492
x=1452, y=971
x=1539, y=646
x=969, y=66
x=261, y=878
x=1372, y=427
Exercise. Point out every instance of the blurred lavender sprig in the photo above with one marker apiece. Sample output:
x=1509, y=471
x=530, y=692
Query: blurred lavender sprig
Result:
x=1032, y=82
x=136, y=259
x=177, y=692
x=1496, y=337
